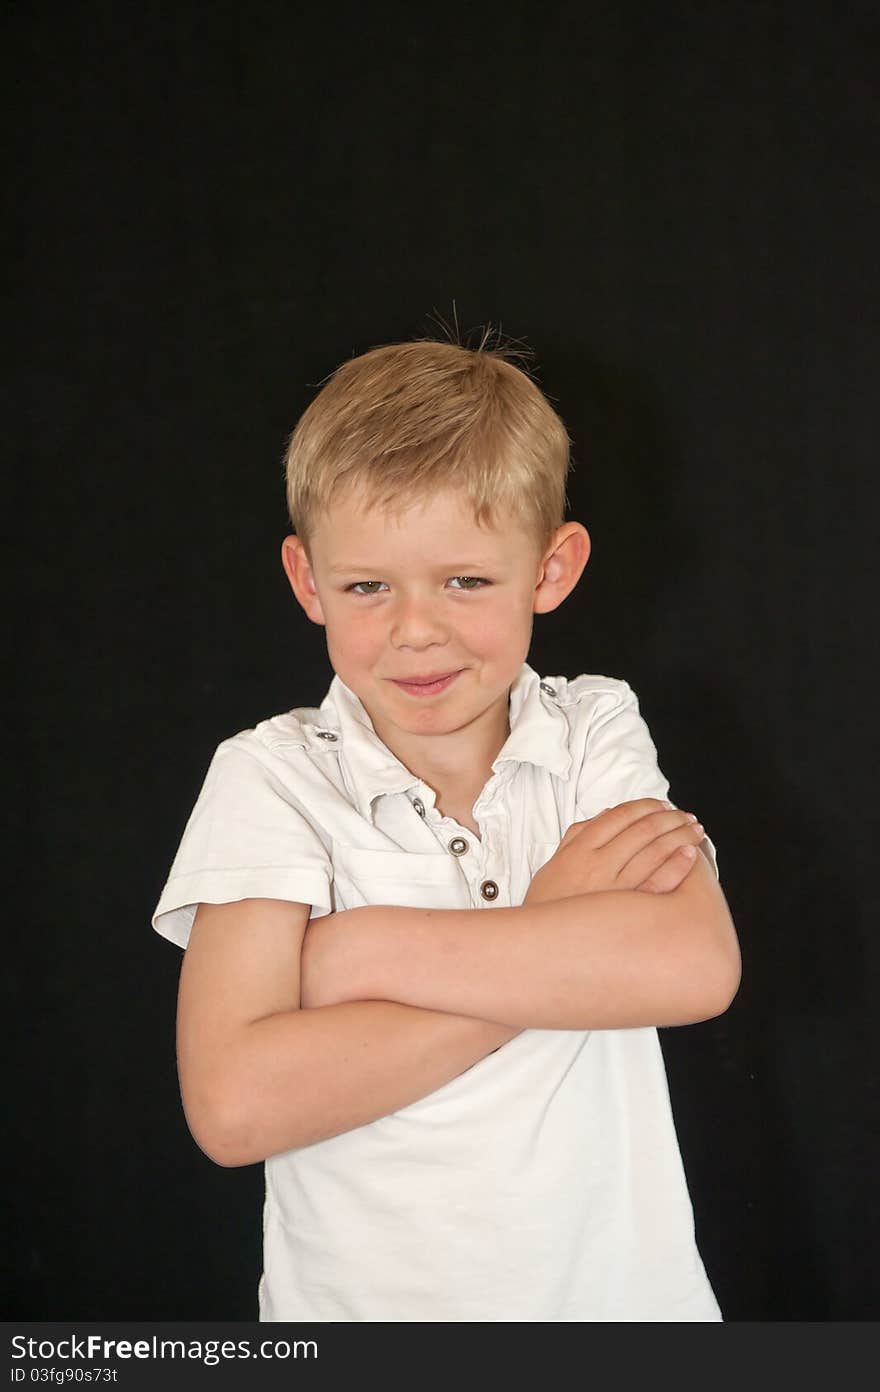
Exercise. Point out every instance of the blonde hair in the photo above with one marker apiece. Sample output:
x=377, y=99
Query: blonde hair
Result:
x=410, y=419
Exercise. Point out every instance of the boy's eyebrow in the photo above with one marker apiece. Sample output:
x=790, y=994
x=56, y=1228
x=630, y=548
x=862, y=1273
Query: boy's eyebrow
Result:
x=451, y=568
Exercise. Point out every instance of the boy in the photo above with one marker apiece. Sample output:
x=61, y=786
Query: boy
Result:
x=432, y=925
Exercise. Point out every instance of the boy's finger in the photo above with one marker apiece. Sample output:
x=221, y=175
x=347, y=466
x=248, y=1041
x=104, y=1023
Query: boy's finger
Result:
x=669, y=875
x=672, y=846
x=643, y=846
x=627, y=817
x=612, y=820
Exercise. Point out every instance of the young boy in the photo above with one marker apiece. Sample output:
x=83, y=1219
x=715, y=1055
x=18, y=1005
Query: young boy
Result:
x=432, y=924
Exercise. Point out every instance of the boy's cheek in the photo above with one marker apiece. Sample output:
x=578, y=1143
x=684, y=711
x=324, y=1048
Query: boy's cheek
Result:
x=354, y=647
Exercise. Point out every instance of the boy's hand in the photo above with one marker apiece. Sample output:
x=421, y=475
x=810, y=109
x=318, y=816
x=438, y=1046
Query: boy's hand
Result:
x=637, y=845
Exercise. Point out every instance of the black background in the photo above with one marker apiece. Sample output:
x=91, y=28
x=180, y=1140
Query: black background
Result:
x=211, y=207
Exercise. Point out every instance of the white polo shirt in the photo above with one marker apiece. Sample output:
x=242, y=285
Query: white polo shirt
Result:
x=545, y=1182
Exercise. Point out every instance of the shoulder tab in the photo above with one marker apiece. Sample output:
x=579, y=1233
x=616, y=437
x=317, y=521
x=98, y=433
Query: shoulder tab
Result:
x=571, y=691
x=292, y=730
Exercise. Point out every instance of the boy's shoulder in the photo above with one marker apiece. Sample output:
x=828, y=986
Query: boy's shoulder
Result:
x=298, y=728
x=571, y=689
x=589, y=692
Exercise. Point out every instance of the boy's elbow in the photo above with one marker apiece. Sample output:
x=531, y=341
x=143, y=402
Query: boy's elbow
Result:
x=221, y=1133
x=717, y=985
x=719, y=999
x=727, y=973
x=234, y=1135
x=729, y=981
x=212, y=1139
x=225, y=1149
x=710, y=962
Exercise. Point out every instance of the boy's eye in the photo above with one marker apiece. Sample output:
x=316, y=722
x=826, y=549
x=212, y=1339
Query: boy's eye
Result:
x=468, y=582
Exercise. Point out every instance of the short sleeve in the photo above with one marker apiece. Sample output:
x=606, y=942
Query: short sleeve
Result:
x=245, y=838
x=620, y=758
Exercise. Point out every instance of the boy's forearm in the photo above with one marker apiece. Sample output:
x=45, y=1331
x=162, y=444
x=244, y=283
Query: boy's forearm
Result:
x=306, y=1075
x=611, y=960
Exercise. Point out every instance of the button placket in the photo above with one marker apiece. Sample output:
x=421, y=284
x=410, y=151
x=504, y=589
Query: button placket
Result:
x=459, y=846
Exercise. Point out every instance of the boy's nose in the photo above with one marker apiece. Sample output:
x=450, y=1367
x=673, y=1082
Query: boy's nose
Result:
x=417, y=623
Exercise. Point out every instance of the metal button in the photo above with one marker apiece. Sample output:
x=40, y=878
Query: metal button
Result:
x=325, y=734
x=489, y=889
x=550, y=690
x=419, y=806
x=458, y=845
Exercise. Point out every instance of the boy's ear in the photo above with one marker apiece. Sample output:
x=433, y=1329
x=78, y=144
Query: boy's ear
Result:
x=562, y=566
x=298, y=570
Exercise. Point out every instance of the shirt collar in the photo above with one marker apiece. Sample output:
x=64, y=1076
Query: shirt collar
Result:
x=539, y=732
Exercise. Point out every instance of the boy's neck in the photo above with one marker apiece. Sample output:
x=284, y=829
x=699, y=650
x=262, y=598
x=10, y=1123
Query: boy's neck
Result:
x=455, y=764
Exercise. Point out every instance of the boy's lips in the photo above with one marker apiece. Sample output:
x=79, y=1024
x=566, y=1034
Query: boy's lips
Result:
x=426, y=686
x=423, y=680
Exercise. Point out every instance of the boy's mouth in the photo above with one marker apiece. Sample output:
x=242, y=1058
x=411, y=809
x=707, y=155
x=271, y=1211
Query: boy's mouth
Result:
x=426, y=686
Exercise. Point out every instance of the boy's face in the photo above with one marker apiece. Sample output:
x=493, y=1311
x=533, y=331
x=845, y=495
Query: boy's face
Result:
x=423, y=595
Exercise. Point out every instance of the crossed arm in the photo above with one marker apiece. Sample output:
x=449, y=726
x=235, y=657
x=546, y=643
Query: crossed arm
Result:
x=619, y=959
x=400, y=1001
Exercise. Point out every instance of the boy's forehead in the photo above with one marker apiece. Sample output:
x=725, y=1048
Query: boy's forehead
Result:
x=428, y=524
